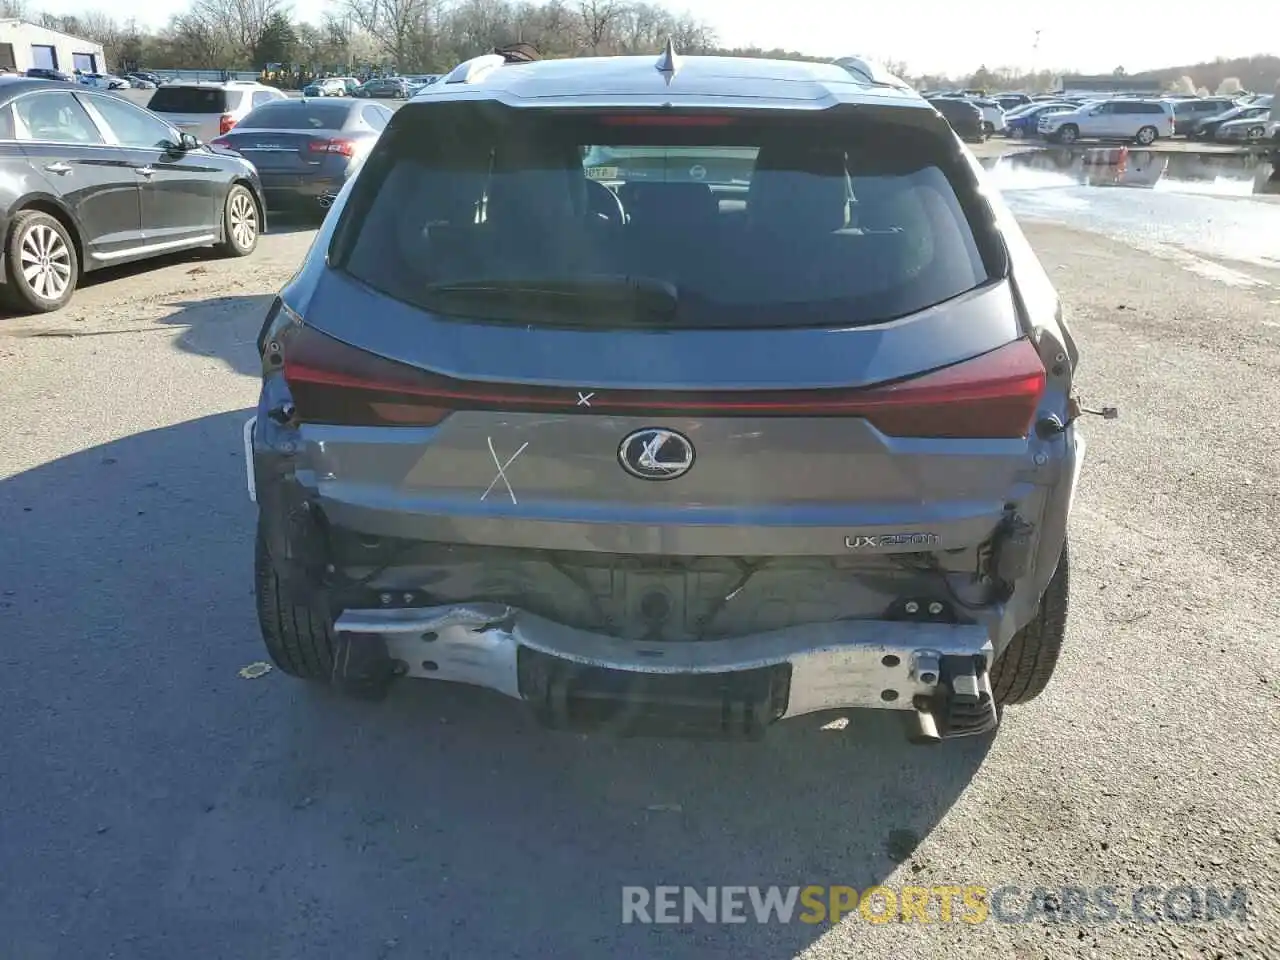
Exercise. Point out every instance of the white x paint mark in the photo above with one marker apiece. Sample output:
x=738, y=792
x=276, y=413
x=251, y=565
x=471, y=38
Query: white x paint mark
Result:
x=584, y=399
x=502, y=470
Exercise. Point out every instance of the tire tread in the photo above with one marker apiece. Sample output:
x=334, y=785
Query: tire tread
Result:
x=1027, y=664
x=298, y=632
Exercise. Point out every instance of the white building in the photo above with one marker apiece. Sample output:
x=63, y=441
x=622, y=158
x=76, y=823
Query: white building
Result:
x=25, y=45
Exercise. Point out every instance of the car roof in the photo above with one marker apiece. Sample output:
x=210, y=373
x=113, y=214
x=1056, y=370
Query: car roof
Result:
x=14, y=84
x=670, y=78
x=295, y=102
x=219, y=84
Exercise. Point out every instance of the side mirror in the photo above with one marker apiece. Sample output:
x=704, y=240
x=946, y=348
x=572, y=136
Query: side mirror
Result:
x=188, y=142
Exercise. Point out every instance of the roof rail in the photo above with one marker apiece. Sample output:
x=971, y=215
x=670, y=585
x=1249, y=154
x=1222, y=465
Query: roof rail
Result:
x=871, y=72
x=469, y=71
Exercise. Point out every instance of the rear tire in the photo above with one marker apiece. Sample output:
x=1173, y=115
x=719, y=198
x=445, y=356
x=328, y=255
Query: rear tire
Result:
x=1027, y=664
x=1147, y=136
x=41, y=265
x=297, y=629
x=240, y=223
x=1069, y=133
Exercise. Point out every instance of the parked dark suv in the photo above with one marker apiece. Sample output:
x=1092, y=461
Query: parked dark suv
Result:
x=387, y=88
x=91, y=180
x=692, y=453
x=963, y=115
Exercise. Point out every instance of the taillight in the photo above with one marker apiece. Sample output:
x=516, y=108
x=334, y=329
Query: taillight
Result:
x=332, y=382
x=225, y=123
x=346, y=148
x=993, y=396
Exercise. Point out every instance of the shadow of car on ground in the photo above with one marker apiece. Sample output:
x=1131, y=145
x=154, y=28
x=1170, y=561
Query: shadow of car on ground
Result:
x=158, y=804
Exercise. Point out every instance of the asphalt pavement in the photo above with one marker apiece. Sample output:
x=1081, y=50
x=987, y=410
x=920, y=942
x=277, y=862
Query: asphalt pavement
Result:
x=156, y=803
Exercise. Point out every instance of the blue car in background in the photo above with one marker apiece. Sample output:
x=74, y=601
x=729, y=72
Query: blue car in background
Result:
x=1021, y=124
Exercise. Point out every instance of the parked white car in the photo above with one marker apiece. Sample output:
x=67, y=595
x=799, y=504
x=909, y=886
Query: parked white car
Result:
x=104, y=81
x=993, y=121
x=207, y=110
x=1116, y=119
x=992, y=115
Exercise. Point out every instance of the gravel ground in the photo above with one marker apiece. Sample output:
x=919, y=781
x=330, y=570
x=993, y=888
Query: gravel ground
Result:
x=154, y=804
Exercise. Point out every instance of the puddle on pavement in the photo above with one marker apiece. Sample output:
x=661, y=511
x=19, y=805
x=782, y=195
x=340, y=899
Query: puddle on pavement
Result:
x=1204, y=174
x=1182, y=207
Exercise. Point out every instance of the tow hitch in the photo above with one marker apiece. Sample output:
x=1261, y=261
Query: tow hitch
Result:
x=963, y=706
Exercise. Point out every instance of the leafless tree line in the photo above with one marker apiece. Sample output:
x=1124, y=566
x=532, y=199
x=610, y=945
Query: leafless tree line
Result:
x=407, y=35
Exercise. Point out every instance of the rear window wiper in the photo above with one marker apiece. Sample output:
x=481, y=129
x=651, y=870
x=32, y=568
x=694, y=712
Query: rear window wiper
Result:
x=596, y=300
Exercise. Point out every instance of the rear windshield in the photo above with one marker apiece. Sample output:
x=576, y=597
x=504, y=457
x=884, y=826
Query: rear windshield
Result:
x=194, y=100
x=296, y=115
x=740, y=223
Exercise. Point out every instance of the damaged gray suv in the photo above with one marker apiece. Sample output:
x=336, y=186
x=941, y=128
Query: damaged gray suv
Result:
x=670, y=395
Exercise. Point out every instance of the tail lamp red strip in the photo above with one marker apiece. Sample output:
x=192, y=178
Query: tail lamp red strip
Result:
x=344, y=147
x=666, y=120
x=991, y=396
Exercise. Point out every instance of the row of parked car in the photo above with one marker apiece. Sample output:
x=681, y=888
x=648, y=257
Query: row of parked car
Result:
x=382, y=88
x=103, y=81
x=206, y=160
x=1242, y=119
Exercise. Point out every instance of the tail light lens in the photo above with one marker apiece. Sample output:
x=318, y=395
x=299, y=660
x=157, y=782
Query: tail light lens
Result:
x=993, y=396
x=225, y=123
x=346, y=148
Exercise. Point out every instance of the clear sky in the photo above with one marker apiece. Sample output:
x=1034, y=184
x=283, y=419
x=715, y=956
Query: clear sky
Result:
x=943, y=35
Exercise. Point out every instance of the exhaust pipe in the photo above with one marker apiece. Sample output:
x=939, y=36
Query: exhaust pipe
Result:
x=922, y=728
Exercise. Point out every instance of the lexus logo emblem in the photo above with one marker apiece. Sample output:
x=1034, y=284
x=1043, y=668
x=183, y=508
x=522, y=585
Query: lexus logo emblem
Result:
x=655, y=454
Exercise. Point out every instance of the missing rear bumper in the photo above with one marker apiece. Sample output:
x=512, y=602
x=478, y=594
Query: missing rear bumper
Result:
x=733, y=687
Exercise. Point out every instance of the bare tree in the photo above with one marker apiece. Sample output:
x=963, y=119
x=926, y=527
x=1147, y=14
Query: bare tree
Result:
x=598, y=16
x=476, y=25
x=551, y=27
x=1229, y=86
x=14, y=9
x=190, y=41
x=692, y=36
x=238, y=24
x=402, y=29
x=643, y=27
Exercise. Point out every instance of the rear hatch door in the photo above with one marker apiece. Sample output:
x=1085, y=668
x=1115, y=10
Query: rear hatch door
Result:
x=195, y=110
x=295, y=137
x=835, y=364
x=286, y=151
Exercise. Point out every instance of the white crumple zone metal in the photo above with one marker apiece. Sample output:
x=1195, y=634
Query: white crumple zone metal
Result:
x=834, y=665
x=502, y=470
x=248, y=459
